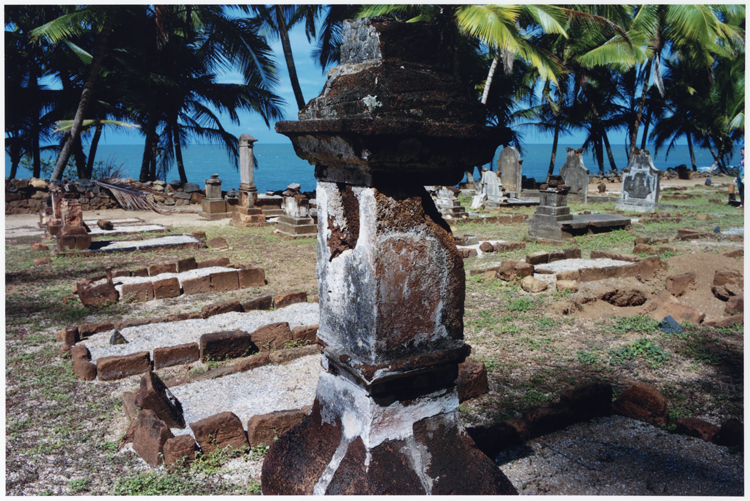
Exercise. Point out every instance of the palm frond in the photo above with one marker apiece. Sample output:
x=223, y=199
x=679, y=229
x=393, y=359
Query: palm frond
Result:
x=133, y=195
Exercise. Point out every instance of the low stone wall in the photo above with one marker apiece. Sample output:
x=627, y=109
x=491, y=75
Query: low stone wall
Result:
x=29, y=196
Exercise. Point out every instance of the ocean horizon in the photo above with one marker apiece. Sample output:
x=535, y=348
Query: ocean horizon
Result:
x=278, y=165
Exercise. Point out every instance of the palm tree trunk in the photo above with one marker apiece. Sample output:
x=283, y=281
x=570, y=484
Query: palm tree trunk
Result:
x=14, y=167
x=92, y=150
x=639, y=114
x=80, y=158
x=692, y=153
x=609, y=151
x=178, y=157
x=554, y=148
x=35, y=125
x=490, y=75
x=147, y=149
x=88, y=89
x=646, y=124
x=604, y=137
x=286, y=45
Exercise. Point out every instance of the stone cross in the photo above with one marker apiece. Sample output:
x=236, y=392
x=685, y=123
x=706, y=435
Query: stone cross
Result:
x=247, y=171
x=576, y=175
x=392, y=118
x=509, y=169
x=640, y=184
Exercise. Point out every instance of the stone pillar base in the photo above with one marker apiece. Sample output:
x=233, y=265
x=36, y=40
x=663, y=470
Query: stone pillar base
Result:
x=353, y=444
x=248, y=218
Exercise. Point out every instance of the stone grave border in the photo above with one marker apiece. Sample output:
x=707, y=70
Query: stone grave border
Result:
x=137, y=363
x=247, y=276
x=261, y=428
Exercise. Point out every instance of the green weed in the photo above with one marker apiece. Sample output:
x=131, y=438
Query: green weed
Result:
x=643, y=348
x=522, y=304
x=586, y=357
x=153, y=483
x=640, y=323
x=78, y=485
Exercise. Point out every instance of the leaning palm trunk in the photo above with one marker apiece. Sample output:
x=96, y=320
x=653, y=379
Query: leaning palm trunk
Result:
x=554, y=148
x=88, y=90
x=692, y=153
x=287, y=46
x=133, y=195
x=490, y=75
x=92, y=150
x=610, y=156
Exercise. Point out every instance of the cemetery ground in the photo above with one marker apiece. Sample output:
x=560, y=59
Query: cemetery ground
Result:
x=62, y=434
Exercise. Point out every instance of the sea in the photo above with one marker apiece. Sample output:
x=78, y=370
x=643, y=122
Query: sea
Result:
x=278, y=165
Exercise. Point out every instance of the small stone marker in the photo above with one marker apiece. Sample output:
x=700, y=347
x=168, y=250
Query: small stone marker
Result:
x=154, y=395
x=117, y=338
x=640, y=184
x=151, y=433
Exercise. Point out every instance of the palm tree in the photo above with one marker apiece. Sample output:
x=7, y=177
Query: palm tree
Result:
x=694, y=31
x=177, y=72
x=29, y=107
x=100, y=20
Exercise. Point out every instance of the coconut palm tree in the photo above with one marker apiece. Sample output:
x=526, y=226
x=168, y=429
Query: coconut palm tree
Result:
x=694, y=31
x=29, y=106
x=98, y=19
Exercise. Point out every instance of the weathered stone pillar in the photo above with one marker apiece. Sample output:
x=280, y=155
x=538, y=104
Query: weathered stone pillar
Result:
x=247, y=171
x=391, y=119
x=247, y=214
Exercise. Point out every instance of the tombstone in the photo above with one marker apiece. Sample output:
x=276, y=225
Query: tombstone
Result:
x=214, y=206
x=640, y=184
x=509, y=169
x=576, y=175
x=552, y=210
x=492, y=188
x=448, y=204
x=477, y=201
x=296, y=221
x=391, y=282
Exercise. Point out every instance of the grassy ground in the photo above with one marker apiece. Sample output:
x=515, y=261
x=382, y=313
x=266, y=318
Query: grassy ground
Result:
x=59, y=431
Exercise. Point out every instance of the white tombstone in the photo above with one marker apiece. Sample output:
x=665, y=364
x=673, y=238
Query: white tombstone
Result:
x=492, y=188
x=640, y=184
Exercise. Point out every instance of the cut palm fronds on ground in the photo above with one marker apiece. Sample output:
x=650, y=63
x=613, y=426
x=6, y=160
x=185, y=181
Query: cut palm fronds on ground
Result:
x=133, y=195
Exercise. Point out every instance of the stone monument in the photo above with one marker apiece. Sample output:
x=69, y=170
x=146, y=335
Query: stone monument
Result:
x=576, y=175
x=640, y=184
x=448, y=204
x=247, y=214
x=392, y=118
x=214, y=206
x=296, y=221
x=509, y=169
x=552, y=210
